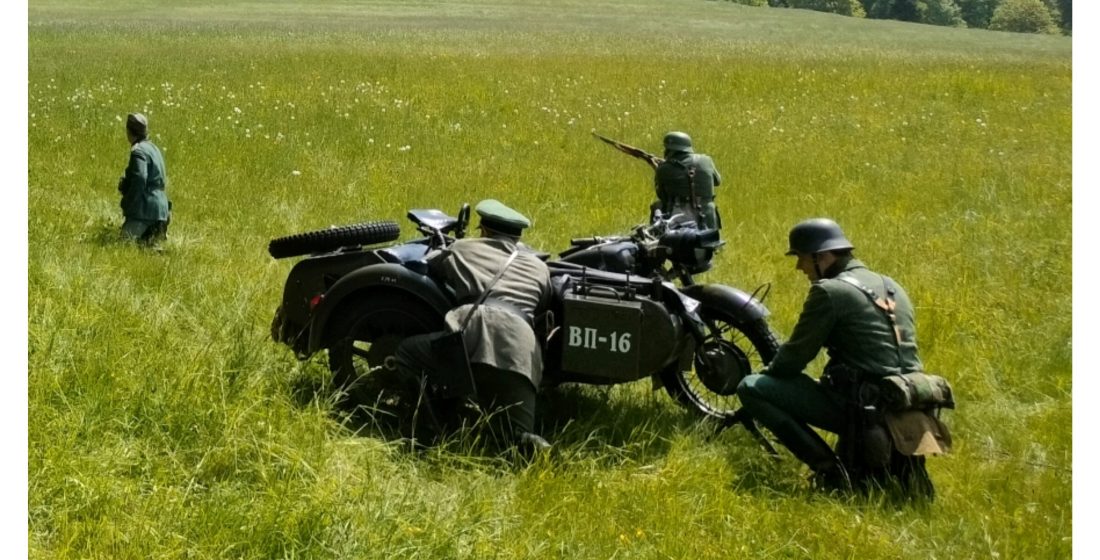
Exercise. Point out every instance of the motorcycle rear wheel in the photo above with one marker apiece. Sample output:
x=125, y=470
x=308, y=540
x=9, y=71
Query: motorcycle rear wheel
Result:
x=752, y=345
x=366, y=335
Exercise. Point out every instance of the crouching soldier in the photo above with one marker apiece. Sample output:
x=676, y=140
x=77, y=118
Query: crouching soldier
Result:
x=866, y=322
x=501, y=288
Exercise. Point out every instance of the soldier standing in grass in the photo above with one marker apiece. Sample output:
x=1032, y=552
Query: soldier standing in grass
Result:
x=145, y=204
x=504, y=352
x=864, y=344
x=685, y=182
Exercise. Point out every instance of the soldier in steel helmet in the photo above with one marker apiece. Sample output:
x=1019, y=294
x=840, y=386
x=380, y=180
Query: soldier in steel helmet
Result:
x=685, y=182
x=145, y=204
x=863, y=344
x=504, y=352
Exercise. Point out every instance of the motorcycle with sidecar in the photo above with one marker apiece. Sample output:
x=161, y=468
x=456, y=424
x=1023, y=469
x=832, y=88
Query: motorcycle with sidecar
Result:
x=617, y=314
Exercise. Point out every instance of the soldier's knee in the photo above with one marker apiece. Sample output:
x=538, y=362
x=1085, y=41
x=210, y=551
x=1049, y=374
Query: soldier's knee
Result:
x=749, y=392
x=747, y=386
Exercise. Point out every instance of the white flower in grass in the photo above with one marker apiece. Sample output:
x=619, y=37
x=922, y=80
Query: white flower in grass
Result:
x=295, y=173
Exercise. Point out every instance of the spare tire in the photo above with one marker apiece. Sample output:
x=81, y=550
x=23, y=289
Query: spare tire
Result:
x=366, y=233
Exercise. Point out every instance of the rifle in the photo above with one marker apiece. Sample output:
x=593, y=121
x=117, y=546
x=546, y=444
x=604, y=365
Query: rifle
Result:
x=629, y=150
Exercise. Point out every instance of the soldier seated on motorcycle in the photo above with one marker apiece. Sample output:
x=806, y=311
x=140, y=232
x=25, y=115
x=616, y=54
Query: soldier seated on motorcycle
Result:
x=864, y=343
x=685, y=183
x=501, y=286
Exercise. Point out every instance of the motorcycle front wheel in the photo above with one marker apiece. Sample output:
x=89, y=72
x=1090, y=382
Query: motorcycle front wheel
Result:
x=732, y=349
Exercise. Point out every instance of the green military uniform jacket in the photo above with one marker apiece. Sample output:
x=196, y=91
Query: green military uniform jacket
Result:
x=495, y=336
x=857, y=334
x=674, y=187
x=142, y=186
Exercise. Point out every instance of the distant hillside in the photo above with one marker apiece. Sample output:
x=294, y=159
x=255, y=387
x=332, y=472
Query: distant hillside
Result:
x=687, y=27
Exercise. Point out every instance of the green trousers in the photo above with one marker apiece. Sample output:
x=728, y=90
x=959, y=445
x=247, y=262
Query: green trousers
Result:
x=788, y=407
x=508, y=397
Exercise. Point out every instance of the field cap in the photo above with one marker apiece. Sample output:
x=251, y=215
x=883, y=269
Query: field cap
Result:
x=137, y=124
x=498, y=217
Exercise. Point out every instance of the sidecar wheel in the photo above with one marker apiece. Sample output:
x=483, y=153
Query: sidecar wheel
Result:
x=736, y=349
x=366, y=233
x=361, y=359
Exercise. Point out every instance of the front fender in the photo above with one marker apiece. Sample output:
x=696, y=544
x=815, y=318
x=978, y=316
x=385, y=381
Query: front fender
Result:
x=741, y=305
x=378, y=277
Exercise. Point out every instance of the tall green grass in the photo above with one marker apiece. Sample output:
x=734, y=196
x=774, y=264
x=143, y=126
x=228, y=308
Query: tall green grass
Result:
x=165, y=423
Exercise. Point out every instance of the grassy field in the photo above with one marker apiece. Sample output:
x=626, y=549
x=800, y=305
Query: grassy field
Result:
x=164, y=422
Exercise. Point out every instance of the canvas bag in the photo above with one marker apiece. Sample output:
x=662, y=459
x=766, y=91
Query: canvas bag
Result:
x=917, y=390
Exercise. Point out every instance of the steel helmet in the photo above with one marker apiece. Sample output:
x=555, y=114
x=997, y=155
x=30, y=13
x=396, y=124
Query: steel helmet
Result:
x=677, y=142
x=816, y=236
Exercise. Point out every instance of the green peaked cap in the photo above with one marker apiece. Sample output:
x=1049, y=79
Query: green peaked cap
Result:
x=496, y=216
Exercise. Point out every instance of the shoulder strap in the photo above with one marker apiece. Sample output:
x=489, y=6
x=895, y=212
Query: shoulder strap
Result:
x=887, y=305
x=489, y=288
x=690, y=169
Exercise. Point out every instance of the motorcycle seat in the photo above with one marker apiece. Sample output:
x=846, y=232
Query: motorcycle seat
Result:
x=434, y=219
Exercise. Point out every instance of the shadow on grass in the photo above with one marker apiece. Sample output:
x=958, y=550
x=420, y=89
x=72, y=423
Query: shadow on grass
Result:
x=579, y=421
x=587, y=425
x=104, y=234
x=784, y=477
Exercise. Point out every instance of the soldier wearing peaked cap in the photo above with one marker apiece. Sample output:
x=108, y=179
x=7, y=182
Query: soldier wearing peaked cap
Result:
x=504, y=352
x=846, y=313
x=145, y=204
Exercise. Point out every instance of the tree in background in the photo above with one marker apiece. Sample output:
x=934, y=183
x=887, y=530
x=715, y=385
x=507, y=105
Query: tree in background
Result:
x=1023, y=16
x=940, y=12
x=843, y=7
x=935, y=12
x=977, y=13
x=1018, y=15
x=1055, y=11
x=1066, y=7
x=901, y=10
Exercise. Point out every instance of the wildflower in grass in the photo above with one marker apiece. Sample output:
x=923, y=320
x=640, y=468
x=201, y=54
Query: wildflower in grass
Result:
x=295, y=173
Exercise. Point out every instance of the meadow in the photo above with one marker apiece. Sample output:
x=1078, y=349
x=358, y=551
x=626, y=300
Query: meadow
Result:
x=165, y=423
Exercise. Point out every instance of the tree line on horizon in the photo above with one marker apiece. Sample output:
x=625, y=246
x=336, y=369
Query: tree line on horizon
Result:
x=1021, y=16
